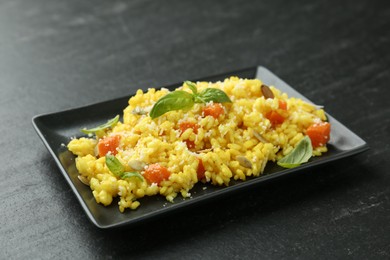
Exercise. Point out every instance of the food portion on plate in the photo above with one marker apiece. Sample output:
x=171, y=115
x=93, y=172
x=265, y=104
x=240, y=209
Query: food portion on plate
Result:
x=200, y=132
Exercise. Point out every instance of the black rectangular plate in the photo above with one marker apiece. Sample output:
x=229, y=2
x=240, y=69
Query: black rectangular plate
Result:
x=56, y=129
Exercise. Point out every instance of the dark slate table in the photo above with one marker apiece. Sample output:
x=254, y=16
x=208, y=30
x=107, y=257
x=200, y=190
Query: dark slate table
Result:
x=56, y=55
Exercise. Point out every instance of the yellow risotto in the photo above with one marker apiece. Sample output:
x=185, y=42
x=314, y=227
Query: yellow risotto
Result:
x=205, y=141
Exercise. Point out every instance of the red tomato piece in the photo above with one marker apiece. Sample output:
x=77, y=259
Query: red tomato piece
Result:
x=282, y=104
x=156, y=173
x=319, y=133
x=185, y=125
x=108, y=144
x=201, y=170
x=190, y=144
x=214, y=110
x=275, y=118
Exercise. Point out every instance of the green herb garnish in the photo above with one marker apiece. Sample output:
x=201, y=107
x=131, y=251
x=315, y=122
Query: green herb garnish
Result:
x=100, y=128
x=116, y=167
x=192, y=86
x=213, y=94
x=300, y=154
x=180, y=99
x=175, y=100
x=131, y=174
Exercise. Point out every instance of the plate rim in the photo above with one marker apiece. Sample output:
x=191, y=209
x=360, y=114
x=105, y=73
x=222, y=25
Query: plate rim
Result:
x=363, y=146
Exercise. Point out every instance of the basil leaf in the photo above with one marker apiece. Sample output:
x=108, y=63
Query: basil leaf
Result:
x=198, y=99
x=114, y=165
x=192, y=86
x=110, y=123
x=215, y=95
x=300, y=154
x=175, y=100
x=131, y=174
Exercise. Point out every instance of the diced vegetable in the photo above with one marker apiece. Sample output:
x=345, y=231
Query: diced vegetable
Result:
x=108, y=144
x=275, y=118
x=319, y=133
x=282, y=104
x=201, y=170
x=156, y=173
x=214, y=110
x=190, y=144
x=185, y=125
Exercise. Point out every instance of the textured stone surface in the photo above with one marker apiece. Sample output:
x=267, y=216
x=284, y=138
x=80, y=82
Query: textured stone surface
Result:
x=56, y=55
